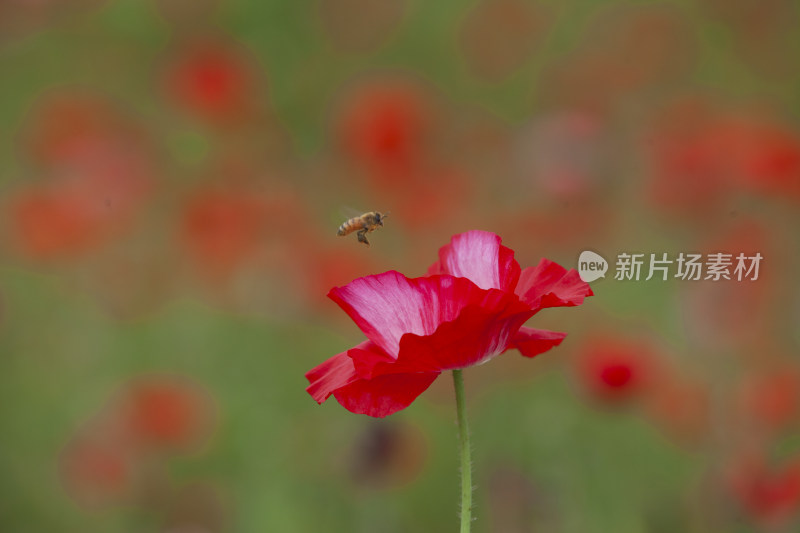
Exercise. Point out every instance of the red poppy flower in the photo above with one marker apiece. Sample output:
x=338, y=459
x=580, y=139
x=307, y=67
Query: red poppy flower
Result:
x=769, y=493
x=212, y=80
x=771, y=401
x=469, y=308
x=384, y=128
x=613, y=371
x=109, y=460
x=766, y=154
x=97, y=470
x=74, y=215
x=51, y=225
x=167, y=413
x=95, y=171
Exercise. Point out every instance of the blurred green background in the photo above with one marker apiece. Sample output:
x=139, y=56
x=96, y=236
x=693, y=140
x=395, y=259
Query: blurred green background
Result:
x=172, y=173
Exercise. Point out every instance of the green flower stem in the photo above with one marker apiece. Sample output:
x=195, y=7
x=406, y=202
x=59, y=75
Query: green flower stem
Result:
x=466, y=453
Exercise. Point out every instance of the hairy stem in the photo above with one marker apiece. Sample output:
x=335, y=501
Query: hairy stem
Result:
x=466, y=453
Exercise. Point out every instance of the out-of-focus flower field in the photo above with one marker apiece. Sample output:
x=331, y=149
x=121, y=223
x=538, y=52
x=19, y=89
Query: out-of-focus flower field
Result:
x=172, y=174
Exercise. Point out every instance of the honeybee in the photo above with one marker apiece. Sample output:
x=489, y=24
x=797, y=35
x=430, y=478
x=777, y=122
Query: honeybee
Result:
x=363, y=224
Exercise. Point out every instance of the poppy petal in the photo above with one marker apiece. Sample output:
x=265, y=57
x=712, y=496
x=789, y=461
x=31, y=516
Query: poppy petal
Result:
x=473, y=338
x=332, y=374
x=550, y=285
x=386, y=306
x=477, y=334
x=383, y=395
x=532, y=342
x=479, y=257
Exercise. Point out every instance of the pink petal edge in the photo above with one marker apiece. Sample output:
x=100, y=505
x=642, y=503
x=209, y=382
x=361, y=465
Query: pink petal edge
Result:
x=478, y=256
x=331, y=374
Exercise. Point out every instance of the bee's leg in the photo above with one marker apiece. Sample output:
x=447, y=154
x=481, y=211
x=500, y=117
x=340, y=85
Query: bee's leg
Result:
x=362, y=236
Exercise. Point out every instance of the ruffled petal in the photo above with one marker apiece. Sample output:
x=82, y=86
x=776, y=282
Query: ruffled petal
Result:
x=479, y=332
x=387, y=306
x=479, y=257
x=550, y=285
x=383, y=395
x=531, y=342
x=473, y=338
x=332, y=374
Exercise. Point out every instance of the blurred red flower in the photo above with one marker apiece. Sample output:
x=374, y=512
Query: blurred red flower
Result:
x=613, y=371
x=70, y=125
x=109, y=460
x=766, y=154
x=771, y=400
x=385, y=128
x=701, y=155
x=49, y=224
x=469, y=308
x=97, y=170
x=167, y=414
x=96, y=469
x=75, y=214
x=770, y=494
x=392, y=137
x=212, y=80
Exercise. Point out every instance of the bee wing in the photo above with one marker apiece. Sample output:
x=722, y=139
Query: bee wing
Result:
x=347, y=212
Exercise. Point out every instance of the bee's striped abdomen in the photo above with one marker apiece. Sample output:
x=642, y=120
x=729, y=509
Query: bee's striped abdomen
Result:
x=350, y=226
